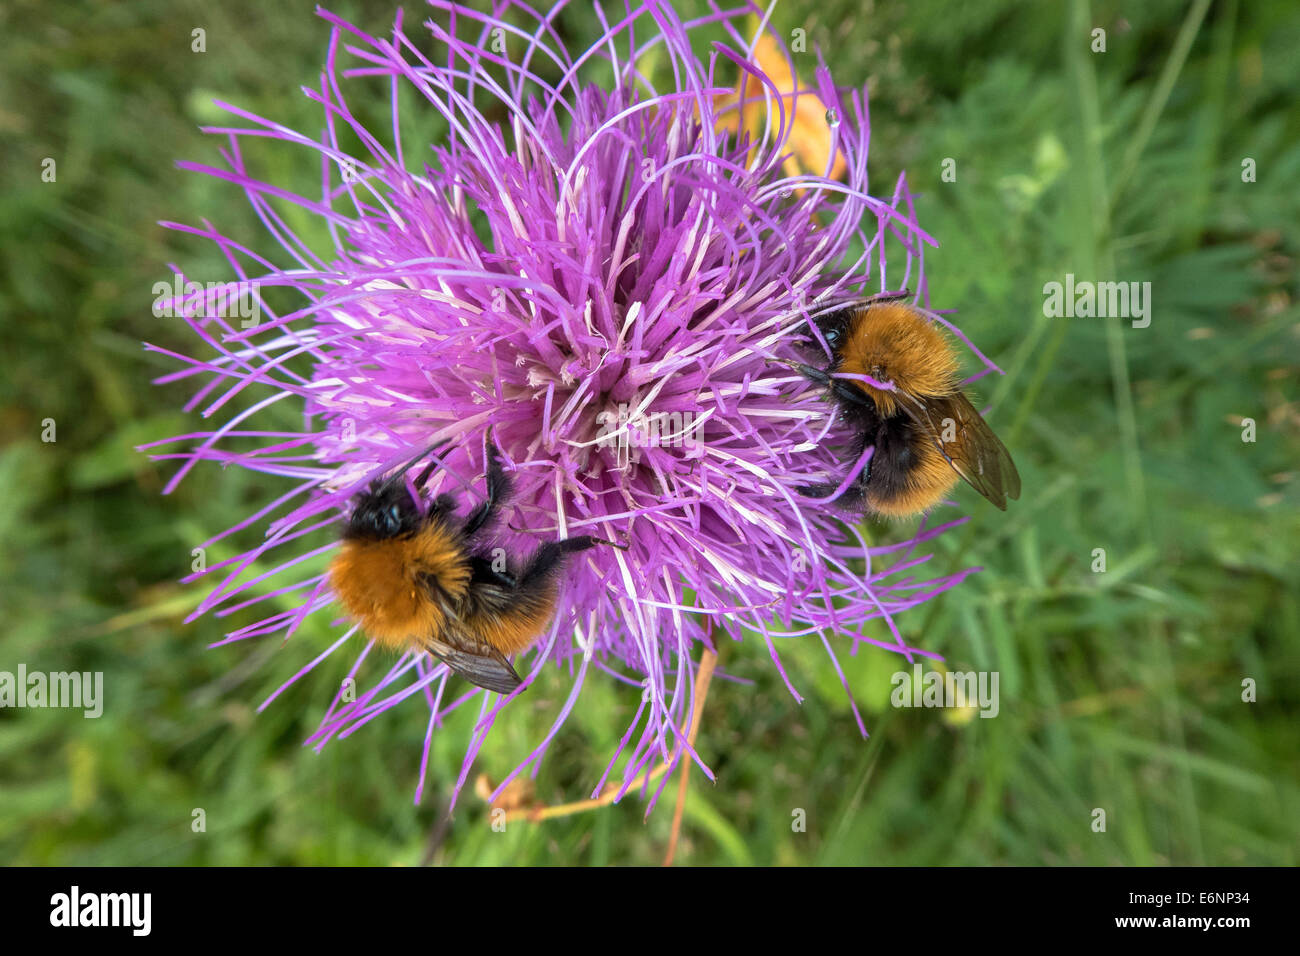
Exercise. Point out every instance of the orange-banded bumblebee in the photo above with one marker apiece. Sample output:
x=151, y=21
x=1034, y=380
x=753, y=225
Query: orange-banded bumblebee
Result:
x=925, y=432
x=414, y=576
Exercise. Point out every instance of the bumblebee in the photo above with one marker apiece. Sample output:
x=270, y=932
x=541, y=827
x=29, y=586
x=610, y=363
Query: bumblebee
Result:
x=417, y=577
x=925, y=432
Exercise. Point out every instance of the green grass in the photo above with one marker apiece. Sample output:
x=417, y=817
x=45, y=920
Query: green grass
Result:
x=1120, y=690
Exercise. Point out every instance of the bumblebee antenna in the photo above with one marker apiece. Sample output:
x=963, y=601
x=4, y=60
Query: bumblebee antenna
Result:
x=399, y=472
x=887, y=297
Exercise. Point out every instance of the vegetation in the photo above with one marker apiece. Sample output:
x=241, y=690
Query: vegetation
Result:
x=1120, y=690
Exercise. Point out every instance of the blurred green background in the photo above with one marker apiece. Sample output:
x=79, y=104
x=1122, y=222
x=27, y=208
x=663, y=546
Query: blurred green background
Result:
x=1119, y=690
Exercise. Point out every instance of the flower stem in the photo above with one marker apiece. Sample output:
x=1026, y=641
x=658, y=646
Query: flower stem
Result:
x=702, y=680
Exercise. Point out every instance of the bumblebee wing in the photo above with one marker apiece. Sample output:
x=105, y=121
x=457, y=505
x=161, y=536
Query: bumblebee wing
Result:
x=974, y=452
x=478, y=662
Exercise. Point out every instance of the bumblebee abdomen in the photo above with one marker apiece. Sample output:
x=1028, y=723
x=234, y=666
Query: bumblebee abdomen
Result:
x=511, y=623
x=908, y=473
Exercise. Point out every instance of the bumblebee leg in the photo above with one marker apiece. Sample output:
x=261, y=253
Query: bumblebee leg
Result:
x=853, y=496
x=847, y=393
x=838, y=387
x=482, y=572
x=498, y=490
x=582, y=542
x=821, y=489
x=810, y=373
x=546, y=560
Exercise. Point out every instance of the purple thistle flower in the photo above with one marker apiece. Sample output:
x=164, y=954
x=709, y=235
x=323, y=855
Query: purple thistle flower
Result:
x=602, y=274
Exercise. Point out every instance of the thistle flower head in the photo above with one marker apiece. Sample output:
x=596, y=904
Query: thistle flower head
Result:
x=602, y=271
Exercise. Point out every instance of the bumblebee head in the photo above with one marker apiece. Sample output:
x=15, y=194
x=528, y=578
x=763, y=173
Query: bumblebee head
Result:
x=387, y=509
x=834, y=329
x=833, y=333
x=383, y=512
